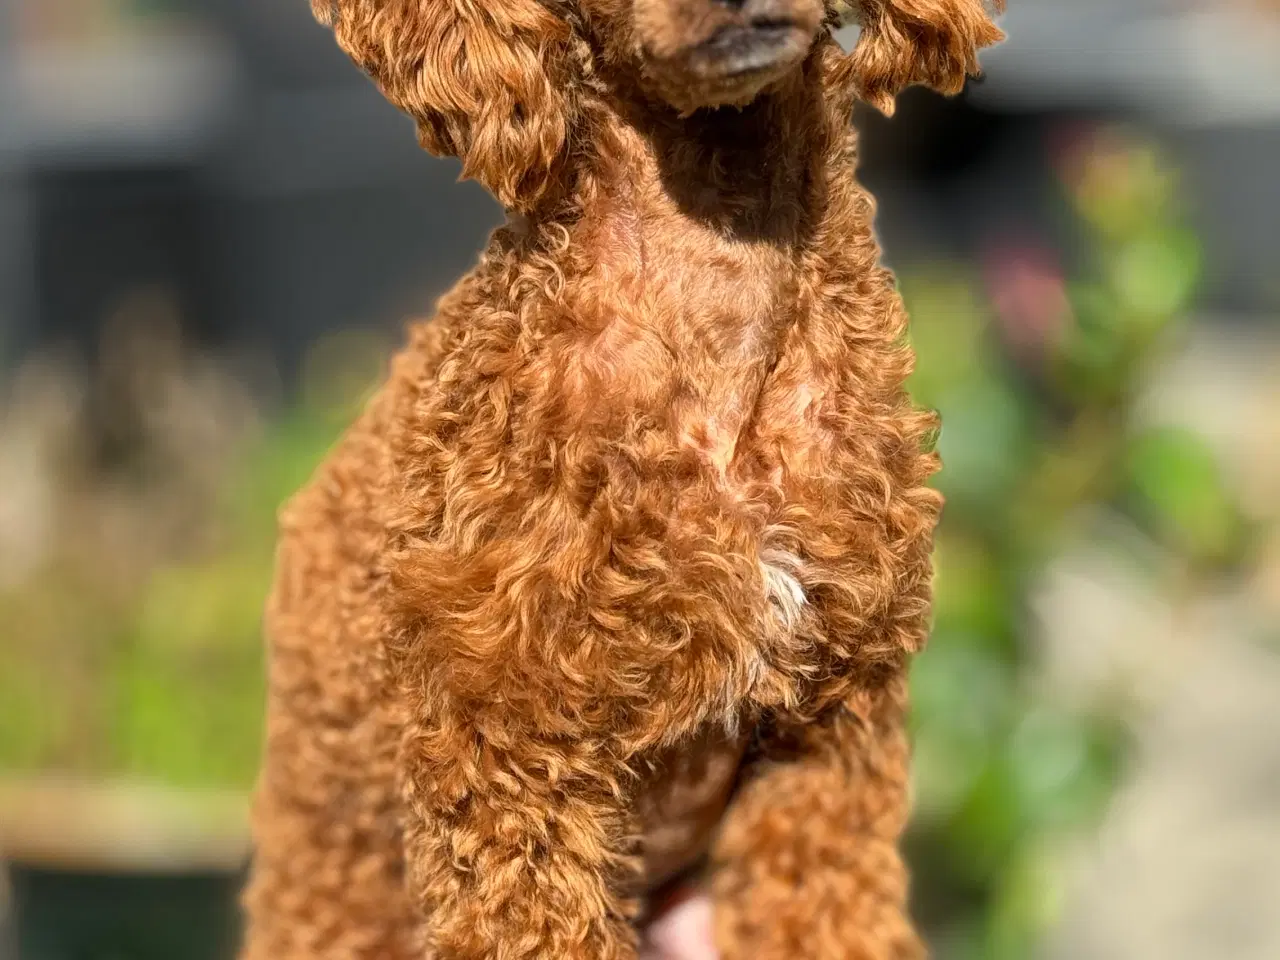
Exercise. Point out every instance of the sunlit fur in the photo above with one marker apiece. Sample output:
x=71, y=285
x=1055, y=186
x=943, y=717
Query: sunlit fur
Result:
x=619, y=572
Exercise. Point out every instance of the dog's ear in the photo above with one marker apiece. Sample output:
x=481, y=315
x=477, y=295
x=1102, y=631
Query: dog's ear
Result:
x=930, y=42
x=486, y=81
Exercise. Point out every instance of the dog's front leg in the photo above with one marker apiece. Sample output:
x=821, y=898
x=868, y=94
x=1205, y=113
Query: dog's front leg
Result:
x=516, y=842
x=807, y=865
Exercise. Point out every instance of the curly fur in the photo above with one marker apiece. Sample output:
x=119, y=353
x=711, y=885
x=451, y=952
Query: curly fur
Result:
x=618, y=575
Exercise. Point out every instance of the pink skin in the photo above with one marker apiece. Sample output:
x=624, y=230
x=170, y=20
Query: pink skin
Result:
x=681, y=932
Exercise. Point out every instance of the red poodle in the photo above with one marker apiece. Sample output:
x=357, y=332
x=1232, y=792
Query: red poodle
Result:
x=615, y=582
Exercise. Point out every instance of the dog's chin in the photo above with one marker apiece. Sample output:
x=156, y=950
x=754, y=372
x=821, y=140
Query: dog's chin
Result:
x=733, y=67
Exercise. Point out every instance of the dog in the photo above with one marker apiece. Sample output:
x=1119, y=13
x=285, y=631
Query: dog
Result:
x=615, y=582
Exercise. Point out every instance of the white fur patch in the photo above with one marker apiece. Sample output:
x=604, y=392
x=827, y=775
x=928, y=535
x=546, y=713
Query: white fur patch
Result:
x=782, y=586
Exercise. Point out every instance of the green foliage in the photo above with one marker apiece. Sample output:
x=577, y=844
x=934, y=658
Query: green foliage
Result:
x=187, y=676
x=1036, y=383
x=118, y=666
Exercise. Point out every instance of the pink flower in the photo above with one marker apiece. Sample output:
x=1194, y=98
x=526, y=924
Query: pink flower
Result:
x=1028, y=294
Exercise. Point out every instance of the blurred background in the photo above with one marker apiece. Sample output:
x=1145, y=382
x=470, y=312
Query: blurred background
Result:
x=211, y=232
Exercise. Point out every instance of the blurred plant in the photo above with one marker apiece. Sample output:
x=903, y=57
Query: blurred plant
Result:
x=137, y=548
x=1037, y=385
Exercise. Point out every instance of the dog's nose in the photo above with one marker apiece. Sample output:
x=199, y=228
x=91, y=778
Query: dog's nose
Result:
x=753, y=10
x=727, y=51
